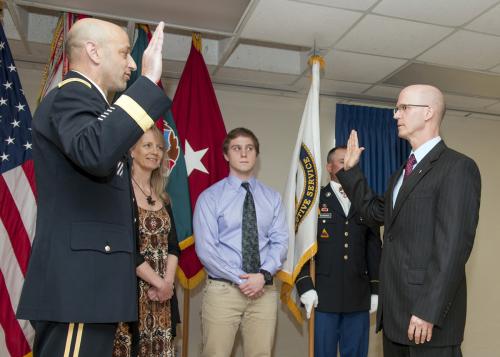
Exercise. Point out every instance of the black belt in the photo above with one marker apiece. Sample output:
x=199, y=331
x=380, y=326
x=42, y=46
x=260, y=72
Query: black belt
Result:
x=223, y=280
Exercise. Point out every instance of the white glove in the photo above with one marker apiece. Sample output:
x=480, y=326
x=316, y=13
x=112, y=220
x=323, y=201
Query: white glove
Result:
x=309, y=299
x=373, y=303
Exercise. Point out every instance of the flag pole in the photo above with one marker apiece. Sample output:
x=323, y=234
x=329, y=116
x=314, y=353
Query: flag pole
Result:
x=313, y=278
x=311, y=320
x=185, y=323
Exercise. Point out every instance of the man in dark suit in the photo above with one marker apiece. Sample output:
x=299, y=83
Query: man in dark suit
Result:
x=81, y=278
x=347, y=263
x=430, y=212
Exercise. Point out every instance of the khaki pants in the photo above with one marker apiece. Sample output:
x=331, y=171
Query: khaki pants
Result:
x=225, y=309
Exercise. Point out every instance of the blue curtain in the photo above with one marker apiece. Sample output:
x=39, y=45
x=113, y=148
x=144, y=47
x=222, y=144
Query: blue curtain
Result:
x=378, y=133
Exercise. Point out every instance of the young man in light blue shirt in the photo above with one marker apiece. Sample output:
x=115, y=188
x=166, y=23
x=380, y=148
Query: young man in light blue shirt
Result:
x=241, y=239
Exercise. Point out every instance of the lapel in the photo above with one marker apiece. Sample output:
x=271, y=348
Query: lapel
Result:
x=392, y=183
x=332, y=201
x=420, y=170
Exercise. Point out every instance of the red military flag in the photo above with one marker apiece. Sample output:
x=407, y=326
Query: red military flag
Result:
x=201, y=133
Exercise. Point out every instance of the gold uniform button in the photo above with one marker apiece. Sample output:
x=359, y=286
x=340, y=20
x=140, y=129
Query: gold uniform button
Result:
x=346, y=222
x=346, y=257
x=346, y=245
x=324, y=221
x=107, y=248
x=346, y=233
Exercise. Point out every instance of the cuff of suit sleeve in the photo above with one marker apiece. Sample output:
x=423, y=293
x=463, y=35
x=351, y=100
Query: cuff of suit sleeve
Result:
x=139, y=259
x=304, y=284
x=374, y=287
x=144, y=102
x=341, y=174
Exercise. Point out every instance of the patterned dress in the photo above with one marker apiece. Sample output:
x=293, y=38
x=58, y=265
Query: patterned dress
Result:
x=155, y=323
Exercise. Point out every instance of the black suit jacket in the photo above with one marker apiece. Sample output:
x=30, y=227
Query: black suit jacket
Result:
x=347, y=260
x=428, y=238
x=84, y=255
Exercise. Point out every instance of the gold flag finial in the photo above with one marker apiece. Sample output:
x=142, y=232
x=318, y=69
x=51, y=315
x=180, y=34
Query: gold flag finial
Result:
x=317, y=58
x=197, y=41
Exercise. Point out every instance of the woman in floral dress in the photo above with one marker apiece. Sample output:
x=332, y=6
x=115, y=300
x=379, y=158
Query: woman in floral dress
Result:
x=153, y=335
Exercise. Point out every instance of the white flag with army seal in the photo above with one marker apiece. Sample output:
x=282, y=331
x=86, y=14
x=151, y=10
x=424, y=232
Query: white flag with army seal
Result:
x=301, y=198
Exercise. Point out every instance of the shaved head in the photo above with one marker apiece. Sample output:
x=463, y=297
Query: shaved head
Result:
x=85, y=30
x=100, y=50
x=430, y=95
x=420, y=111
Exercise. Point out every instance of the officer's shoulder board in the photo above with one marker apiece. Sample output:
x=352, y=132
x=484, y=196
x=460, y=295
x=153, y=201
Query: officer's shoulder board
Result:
x=70, y=80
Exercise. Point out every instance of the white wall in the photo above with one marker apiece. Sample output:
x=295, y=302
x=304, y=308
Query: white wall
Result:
x=275, y=120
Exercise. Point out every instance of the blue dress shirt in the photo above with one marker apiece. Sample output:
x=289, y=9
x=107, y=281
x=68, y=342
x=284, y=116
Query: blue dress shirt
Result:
x=217, y=228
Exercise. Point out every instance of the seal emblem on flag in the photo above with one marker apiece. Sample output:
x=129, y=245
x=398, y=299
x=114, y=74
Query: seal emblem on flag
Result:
x=310, y=185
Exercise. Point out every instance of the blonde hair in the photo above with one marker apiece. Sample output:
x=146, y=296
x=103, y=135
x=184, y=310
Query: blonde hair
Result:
x=159, y=176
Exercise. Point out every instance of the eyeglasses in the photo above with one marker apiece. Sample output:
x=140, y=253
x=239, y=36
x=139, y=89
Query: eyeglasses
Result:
x=403, y=107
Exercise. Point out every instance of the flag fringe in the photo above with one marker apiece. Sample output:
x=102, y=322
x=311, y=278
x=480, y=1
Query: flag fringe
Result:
x=186, y=243
x=289, y=278
x=289, y=281
x=190, y=283
x=286, y=291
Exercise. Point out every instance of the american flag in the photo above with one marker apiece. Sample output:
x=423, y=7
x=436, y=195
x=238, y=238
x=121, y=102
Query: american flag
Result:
x=17, y=202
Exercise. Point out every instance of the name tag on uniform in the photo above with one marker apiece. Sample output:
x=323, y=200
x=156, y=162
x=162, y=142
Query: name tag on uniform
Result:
x=325, y=215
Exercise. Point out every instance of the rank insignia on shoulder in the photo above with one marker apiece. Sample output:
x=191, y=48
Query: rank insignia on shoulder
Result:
x=69, y=80
x=324, y=234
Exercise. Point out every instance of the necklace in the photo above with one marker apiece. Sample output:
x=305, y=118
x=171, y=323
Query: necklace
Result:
x=150, y=200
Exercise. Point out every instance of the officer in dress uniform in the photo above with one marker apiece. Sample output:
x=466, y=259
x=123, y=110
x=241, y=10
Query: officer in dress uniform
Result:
x=81, y=278
x=347, y=263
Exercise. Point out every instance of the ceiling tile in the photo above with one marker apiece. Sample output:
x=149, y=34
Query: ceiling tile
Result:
x=465, y=49
x=38, y=26
x=345, y=4
x=456, y=113
x=463, y=102
x=266, y=59
x=177, y=47
x=385, y=92
x=392, y=37
x=495, y=108
x=215, y=15
x=331, y=87
x=487, y=22
x=441, y=12
x=299, y=24
x=496, y=69
x=237, y=75
x=355, y=67
x=484, y=116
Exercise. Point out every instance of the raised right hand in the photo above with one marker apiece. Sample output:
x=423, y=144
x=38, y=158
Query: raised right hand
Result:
x=152, y=57
x=353, y=152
